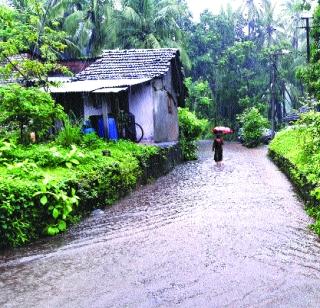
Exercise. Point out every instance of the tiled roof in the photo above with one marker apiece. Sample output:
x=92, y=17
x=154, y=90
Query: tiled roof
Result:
x=130, y=64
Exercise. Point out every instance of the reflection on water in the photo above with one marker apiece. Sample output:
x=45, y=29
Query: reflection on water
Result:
x=203, y=235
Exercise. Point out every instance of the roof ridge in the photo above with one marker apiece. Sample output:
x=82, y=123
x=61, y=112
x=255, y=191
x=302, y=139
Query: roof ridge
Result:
x=139, y=50
x=130, y=63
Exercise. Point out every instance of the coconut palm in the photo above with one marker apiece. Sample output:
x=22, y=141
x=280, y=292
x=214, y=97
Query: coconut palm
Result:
x=89, y=25
x=251, y=10
x=149, y=24
x=273, y=26
x=292, y=17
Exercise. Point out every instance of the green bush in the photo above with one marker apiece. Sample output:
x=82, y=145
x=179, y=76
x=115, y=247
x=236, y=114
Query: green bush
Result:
x=92, y=141
x=20, y=215
x=28, y=110
x=70, y=133
x=297, y=152
x=200, y=98
x=59, y=203
x=252, y=124
x=45, y=187
x=45, y=155
x=190, y=129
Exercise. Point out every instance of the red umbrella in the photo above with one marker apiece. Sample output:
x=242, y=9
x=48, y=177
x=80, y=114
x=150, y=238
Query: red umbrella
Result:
x=222, y=130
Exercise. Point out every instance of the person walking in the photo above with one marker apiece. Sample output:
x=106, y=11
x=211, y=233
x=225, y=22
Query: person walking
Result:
x=217, y=149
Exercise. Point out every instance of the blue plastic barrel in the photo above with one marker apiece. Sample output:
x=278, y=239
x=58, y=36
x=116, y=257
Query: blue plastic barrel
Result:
x=100, y=127
x=88, y=130
x=113, y=131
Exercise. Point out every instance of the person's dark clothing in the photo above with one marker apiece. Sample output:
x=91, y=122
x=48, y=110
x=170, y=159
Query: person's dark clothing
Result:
x=217, y=148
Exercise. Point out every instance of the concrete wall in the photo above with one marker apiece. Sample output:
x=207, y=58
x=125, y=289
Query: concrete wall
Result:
x=141, y=105
x=165, y=109
x=92, y=104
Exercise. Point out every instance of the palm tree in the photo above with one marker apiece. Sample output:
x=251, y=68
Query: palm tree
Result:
x=273, y=28
x=153, y=24
x=90, y=26
x=251, y=10
x=149, y=24
x=87, y=23
x=264, y=25
x=292, y=13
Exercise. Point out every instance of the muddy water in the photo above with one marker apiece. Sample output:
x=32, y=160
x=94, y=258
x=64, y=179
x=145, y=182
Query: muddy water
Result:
x=202, y=236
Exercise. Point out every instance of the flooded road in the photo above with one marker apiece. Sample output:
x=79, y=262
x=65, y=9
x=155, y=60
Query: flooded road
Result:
x=202, y=236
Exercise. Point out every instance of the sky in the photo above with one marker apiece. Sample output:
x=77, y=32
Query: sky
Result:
x=198, y=6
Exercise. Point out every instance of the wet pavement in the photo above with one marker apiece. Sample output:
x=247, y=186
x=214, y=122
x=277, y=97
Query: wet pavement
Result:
x=202, y=236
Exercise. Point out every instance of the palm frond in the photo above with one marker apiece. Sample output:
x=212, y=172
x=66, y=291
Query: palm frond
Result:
x=131, y=16
x=72, y=22
x=151, y=41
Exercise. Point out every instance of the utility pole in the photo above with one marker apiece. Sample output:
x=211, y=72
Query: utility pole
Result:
x=307, y=28
x=273, y=89
x=273, y=92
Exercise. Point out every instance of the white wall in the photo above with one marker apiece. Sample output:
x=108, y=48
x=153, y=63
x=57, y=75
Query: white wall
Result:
x=89, y=109
x=141, y=105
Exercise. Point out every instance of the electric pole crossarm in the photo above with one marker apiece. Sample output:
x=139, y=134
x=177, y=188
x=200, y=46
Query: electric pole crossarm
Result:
x=307, y=28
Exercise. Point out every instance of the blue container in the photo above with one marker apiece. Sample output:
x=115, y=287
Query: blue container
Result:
x=113, y=131
x=88, y=130
x=100, y=127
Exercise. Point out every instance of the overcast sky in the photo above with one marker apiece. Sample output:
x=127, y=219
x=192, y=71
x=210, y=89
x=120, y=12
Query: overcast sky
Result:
x=198, y=6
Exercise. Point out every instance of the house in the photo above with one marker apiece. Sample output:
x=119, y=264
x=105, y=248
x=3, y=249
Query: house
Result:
x=144, y=84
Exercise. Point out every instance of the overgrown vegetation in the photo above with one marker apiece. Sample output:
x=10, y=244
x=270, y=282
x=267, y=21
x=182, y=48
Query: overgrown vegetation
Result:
x=28, y=110
x=309, y=74
x=190, y=130
x=252, y=126
x=46, y=187
x=30, y=43
x=297, y=151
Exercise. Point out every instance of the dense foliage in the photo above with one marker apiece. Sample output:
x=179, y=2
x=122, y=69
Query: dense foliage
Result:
x=237, y=51
x=297, y=152
x=28, y=110
x=310, y=74
x=190, y=130
x=45, y=187
x=252, y=126
x=200, y=98
x=30, y=44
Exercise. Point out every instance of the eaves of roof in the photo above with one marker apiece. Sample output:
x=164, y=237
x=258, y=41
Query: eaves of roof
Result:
x=96, y=86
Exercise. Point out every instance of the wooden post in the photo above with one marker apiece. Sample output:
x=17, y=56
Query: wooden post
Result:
x=85, y=98
x=105, y=117
x=273, y=90
x=273, y=97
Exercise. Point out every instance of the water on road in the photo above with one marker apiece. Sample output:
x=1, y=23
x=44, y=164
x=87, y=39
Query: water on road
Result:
x=202, y=236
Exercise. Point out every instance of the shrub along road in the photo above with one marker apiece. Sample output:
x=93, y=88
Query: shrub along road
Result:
x=198, y=237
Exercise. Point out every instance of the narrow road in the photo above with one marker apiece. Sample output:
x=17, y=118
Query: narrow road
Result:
x=202, y=236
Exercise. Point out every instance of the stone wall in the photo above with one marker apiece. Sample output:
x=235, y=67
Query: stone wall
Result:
x=161, y=164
